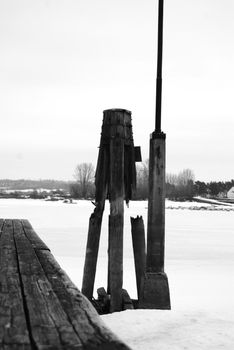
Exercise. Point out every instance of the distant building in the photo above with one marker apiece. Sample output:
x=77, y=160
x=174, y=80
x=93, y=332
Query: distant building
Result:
x=230, y=193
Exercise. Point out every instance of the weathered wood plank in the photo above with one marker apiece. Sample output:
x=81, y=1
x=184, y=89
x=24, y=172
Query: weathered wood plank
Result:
x=32, y=236
x=16, y=347
x=1, y=226
x=13, y=325
x=49, y=326
x=40, y=308
x=116, y=261
x=139, y=250
x=95, y=222
x=116, y=221
x=84, y=318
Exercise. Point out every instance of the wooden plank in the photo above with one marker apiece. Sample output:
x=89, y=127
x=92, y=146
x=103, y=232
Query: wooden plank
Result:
x=13, y=325
x=1, y=226
x=49, y=325
x=115, y=261
x=116, y=221
x=139, y=250
x=84, y=318
x=16, y=347
x=95, y=222
x=40, y=308
x=32, y=236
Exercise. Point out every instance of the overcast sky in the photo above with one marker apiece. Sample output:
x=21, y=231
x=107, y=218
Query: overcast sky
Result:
x=62, y=62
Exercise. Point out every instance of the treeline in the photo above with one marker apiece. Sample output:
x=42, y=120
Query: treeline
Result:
x=22, y=184
x=178, y=186
x=181, y=186
x=213, y=188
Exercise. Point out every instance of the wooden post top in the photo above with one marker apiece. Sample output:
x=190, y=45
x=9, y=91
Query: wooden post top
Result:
x=117, y=123
x=118, y=110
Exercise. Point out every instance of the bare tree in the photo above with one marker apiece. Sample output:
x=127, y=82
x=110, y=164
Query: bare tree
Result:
x=172, y=179
x=84, y=176
x=180, y=186
x=185, y=177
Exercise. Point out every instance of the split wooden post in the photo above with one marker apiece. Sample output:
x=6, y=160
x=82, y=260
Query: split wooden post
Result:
x=95, y=223
x=139, y=250
x=92, y=247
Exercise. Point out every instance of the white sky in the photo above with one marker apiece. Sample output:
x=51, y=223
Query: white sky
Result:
x=62, y=62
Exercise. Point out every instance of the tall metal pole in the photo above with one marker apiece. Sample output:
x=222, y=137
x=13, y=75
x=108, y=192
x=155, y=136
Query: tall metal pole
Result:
x=155, y=289
x=159, y=69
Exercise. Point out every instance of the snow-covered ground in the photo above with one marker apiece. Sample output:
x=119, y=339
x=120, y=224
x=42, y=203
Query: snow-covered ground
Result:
x=199, y=265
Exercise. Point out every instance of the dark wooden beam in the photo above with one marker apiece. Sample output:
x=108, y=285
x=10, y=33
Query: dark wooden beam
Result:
x=139, y=250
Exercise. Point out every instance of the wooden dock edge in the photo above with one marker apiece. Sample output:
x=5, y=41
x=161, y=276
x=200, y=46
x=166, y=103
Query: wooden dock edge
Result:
x=86, y=321
x=81, y=313
x=86, y=324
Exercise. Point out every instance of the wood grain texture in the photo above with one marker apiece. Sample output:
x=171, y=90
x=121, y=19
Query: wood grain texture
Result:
x=92, y=246
x=156, y=206
x=32, y=236
x=1, y=226
x=13, y=326
x=139, y=250
x=16, y=347
x=84, y=318
x=48, y=321
x=40, y=308
x=116, y=221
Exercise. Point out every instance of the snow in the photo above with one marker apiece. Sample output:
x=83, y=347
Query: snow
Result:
x=199, y=265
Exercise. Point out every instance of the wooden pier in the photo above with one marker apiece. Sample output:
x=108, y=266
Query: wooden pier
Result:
x=40, y=307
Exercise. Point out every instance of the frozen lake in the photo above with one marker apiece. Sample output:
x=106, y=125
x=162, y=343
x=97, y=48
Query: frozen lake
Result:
x=199, y=246
x=199, y=264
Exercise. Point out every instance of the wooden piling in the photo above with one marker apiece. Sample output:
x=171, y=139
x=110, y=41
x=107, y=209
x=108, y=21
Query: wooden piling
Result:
x=139, y=250
x=156, y=205
x=155, y=294
x=92, y=247
x=116, y=197
x=115, y=179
